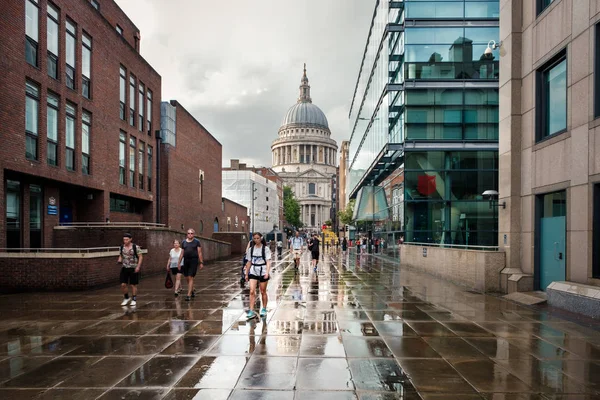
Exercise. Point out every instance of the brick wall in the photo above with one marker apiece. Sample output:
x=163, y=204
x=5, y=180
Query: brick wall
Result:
x=109, y=51
x=196, y=149
x=158, y=242
x=238, y=240
x=231, y=210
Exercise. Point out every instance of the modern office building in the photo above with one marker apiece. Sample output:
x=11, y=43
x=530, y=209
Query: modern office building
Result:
x=424, y=121
x=78, y=109
x=255, y=192
x=550, y=141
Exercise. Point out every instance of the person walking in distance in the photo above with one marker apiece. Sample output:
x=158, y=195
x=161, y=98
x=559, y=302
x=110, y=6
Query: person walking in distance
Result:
x=344, y=245
x=257, y=273
x=191, y=256
x=131, y=260
x=279, y=248
x=314, y=251
x=297, y=244
x=174, y=264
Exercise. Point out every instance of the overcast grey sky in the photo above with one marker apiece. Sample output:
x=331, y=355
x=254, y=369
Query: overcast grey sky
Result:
x=236, y=65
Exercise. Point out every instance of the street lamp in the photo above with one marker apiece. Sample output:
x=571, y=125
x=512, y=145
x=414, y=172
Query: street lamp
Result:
x=493, y=195
x=253, y=198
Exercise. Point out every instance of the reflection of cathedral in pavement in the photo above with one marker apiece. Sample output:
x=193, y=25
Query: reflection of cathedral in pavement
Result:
x=304, y=156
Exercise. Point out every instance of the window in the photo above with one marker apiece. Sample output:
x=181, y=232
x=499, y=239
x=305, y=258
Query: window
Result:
x=95, y=4
x=35, y=216
x=124, y=204
x=32, y=23
x=132, y=162
x=122, y=92
x=86, y=127
x=597, y=73
x=596, y=233
x=201, y=183
x=70, y=137
x=149, y=166
x=542, y=5
x=551, y=104
x=141, y=153
x=131, y=100
x=149, y=110
x=52, y=39
x=119, y=30
x=13, y=214
x=267, y=199
x=86, y=65
x=71, y=58
x=52, y=130
x=141, y=107
x=32, y=104
x=311, y=188
x=122, y=149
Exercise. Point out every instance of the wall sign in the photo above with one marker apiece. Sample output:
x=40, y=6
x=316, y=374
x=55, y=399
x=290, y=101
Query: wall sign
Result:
x=424, y=251
x=52, y=210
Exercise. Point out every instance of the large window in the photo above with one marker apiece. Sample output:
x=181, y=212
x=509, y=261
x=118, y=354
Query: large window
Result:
x=52, y=39
x=32, y=27
x=131, y=100
x=149, y=110
x=312, y=188
x=149, y=166
x=597, y=73
x=596, y=233
x=141, y=101
x=70, y=136
x=52, y=129
x=71, y=56
x=32, y=105
x=86, y=128
x=444, y=9
x=551, y=102
x=443, y=197
x=132, y=162
x=122, y=92
x=141, y=157
x=122, y=156
x=542, y=5
x=86, y=65
x=124, y=204
x=13, y=214
x=35, y=216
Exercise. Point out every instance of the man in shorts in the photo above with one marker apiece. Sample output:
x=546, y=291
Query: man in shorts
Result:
x=257, y=273
x=191, y=256
x=297, y=242
x=131, y=260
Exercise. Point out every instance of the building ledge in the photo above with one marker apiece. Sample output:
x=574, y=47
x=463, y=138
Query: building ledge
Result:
x=575, y=297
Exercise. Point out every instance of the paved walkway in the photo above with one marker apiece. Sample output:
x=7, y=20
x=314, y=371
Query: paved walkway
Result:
x=361, y=327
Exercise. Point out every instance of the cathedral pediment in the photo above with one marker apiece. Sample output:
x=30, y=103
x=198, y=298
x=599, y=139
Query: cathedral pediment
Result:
x=311, y=173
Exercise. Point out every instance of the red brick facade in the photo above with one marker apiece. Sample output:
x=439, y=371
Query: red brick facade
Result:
x=184, y=202
x=235, y=217
x=84, y=196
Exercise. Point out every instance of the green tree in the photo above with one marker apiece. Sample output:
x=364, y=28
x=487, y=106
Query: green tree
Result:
x=291, y=207
x=346, y=214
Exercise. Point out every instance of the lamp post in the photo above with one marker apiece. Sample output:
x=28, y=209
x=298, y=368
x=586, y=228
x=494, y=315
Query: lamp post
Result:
x=253, y=198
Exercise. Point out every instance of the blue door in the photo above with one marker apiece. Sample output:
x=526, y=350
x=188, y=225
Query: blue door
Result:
x=552, y=250
x=66, y=215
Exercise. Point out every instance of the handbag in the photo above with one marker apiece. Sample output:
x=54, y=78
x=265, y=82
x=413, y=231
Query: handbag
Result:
x=168, y=281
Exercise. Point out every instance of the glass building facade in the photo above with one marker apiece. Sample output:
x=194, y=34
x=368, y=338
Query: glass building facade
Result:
x=424, y=122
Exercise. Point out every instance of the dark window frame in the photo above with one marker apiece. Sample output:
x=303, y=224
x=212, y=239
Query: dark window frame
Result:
x=149, y=167
x=70, y=152
x=132, y=97
x=52, y=142
x=123, y=168
x=51, y=58
x=123, y=104
x=29, y=135
x=140, y=164
x=86, y=119
x=596, y=232
x=86, y=81
x=132, y=165
x=597, y=72
x=30, y=43
x=95, y=4
x=70, y=70
x=119, y=29
x=541, y=96
x=542, y=5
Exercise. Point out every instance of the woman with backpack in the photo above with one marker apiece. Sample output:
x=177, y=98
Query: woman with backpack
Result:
x=257, y=273
x=174, y=266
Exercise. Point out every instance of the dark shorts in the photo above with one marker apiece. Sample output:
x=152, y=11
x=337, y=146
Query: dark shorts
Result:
x=258, y=278
x=176, y=271
x=129, y=276
x=190, y=267
x=315, y=255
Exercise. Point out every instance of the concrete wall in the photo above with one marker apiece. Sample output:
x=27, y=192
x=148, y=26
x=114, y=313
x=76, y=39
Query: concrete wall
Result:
x=21, y=272
x=158, y=242
x=477, y=270
x=238, y=240
x=566, y=161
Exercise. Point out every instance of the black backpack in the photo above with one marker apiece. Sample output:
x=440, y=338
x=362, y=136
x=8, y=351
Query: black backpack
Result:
x=135, y=251
x=264, y=257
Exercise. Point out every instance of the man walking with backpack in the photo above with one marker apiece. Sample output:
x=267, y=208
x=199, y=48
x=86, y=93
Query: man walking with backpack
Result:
x=257, y=273
x=191, y=256
x=131, y=260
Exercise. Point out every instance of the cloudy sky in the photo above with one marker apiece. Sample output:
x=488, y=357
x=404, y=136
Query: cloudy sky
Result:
x=236, y=65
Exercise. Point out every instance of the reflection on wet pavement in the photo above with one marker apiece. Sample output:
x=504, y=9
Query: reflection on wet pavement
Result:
x=359, y=328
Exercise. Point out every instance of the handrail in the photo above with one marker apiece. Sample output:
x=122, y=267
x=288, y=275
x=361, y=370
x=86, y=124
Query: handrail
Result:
x=460, y=246
x=60, y=250
x=108, y=224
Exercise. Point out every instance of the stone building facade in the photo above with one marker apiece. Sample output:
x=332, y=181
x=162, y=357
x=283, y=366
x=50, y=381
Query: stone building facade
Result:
x=304, y=156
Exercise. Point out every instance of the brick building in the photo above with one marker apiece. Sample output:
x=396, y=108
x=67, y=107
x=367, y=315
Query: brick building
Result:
x=190, y=165
x=78, y=109
x=234, y=217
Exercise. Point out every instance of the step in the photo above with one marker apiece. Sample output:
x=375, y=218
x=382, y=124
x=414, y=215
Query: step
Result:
x=520, y=283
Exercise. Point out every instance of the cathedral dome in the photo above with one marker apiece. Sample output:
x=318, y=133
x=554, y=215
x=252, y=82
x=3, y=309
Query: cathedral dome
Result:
x=305, y=113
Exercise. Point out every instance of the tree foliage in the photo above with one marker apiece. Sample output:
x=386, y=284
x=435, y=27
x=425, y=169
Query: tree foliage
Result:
x=291, y=207
x=346, y=214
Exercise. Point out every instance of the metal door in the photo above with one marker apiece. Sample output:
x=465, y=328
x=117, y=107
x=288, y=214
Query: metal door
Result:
x=552, y=250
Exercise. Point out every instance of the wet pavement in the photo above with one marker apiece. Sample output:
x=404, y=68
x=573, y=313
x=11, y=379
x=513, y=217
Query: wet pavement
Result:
x=359, y=328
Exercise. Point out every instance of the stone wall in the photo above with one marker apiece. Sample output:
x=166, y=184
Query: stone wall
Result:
x=477, y=270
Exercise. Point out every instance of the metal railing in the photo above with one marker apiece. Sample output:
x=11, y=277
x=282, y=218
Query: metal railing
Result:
x=453, y=246
x=82, y=250
x=118, y=224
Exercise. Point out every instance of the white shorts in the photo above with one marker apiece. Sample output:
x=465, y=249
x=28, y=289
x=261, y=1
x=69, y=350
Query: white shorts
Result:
x=297, y=253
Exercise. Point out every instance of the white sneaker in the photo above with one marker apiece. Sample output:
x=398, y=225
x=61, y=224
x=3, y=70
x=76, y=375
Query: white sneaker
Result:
x=125, y=302
x=133, y=303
